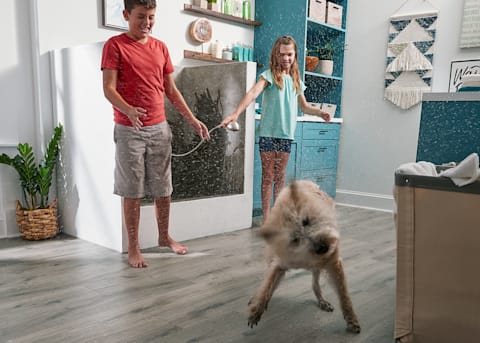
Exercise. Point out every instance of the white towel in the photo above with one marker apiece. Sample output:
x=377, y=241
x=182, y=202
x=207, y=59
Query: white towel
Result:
x=418, y=168
x=465, y=172
x=413, y=168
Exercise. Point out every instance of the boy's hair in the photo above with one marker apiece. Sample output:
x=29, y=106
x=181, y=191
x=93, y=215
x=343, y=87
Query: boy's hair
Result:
x=276, y=67
x=130, y=4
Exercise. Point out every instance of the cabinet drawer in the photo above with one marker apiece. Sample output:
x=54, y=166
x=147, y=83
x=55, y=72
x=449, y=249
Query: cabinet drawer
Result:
x=325, y=178
x=318, y=154
x=321, y=131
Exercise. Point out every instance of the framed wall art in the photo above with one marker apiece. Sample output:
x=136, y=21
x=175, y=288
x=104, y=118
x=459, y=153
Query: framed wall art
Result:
x=458, y=69
x=470, y=34
x=113, y=14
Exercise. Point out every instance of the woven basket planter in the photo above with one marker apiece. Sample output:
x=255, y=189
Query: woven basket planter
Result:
x=38, y=224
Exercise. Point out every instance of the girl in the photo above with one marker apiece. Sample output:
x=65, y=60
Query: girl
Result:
x=283, y=95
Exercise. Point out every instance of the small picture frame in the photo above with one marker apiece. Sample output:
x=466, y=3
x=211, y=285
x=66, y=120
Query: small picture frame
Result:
x=458, y=69
x=113, y=14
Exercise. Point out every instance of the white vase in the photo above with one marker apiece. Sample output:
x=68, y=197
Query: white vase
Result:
x=325, y=67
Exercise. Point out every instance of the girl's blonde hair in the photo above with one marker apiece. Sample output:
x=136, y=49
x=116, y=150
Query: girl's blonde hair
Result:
x=276, y=67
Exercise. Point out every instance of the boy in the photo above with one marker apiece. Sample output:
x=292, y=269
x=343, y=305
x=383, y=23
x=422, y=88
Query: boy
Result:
x=137, y=71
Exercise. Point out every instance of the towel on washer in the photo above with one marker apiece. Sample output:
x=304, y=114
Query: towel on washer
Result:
x=465, y=172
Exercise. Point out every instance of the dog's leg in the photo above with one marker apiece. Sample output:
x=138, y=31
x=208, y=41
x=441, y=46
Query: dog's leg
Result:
x=338, y=278
x=324, y=305
x=258, y=304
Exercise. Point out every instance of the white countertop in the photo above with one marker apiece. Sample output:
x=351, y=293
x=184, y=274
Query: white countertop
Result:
x=310, y=118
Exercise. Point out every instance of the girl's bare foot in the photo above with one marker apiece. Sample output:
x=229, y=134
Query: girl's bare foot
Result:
x=135, y=258
x=176, y=247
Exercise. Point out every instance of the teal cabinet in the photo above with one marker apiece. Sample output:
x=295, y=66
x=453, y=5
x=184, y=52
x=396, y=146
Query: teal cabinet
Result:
x=313, y=157
x=317, y=160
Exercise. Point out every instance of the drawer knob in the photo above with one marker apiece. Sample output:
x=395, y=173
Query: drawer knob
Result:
x=321, y=149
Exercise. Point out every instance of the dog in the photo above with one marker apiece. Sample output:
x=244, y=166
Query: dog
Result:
x=301, y=232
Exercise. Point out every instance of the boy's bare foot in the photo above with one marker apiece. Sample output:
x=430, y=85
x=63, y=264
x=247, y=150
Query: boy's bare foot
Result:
x=135, y=258
x=176, y=247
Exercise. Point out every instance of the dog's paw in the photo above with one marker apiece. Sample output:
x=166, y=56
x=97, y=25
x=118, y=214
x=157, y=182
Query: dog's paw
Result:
x=255, y=312
x=325, y=306
x=353, y=327
x=253, y=319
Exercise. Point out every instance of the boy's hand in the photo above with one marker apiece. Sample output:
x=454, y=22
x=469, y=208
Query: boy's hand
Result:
x=201, y=129
x=134, y=115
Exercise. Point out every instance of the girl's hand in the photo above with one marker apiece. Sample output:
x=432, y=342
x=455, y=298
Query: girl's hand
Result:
x=325, y=116
x=228, y=120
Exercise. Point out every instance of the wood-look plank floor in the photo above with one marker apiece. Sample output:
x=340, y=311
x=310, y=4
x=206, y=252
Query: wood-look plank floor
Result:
x=69, y=290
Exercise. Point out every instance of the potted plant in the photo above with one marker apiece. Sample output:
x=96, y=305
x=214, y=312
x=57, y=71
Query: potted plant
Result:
x=325, y=55
x=36, y=217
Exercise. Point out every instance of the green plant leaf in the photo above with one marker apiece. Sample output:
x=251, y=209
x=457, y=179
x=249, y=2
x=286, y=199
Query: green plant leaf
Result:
x=35, y=180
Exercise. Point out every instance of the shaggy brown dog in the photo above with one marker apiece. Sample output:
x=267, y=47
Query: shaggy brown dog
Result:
x=301, y=232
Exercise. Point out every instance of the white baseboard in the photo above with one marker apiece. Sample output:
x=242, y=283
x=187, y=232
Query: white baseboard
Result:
x=379, y=202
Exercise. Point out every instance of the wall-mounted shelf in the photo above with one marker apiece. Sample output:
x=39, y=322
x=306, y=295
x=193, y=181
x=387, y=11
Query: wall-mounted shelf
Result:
x=207, y=57
x=325, y=25
x=204, y=57
x=215, y=14
x=323, y=76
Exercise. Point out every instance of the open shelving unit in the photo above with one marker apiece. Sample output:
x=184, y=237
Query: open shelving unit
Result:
x=308, y=33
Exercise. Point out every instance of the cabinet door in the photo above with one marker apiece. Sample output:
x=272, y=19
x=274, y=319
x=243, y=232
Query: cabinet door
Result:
x=318, y=154
x=325, y=178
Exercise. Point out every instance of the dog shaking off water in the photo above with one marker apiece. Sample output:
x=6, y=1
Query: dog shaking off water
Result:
x=301, y=232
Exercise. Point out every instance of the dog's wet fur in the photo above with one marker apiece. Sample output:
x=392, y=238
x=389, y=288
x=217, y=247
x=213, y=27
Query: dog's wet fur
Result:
x=301, y=232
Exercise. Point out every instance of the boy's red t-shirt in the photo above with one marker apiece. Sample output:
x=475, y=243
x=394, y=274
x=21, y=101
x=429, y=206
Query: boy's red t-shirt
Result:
x=140, y=80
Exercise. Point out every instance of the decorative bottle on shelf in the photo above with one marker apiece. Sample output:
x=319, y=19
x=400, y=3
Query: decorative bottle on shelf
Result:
x=214, y=48
x=219, y=51
x=246, y=10
x=228, y=7
x=236, y=51
x=237, y=8
x=227, y=53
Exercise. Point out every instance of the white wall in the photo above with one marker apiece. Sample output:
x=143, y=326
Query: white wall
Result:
x=16, y=97
x=376, y=135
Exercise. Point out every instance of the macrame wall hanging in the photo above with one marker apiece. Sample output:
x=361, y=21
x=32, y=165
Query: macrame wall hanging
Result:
x=410, y=53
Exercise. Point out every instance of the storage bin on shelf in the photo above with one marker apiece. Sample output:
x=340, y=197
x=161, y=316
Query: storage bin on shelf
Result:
x=334, y=14
x=317, y=9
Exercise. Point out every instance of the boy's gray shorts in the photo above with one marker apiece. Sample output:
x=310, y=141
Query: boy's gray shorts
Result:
x=143, y=161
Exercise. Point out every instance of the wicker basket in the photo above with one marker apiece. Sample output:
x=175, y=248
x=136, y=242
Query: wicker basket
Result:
x=311, y=62
x=38, y=224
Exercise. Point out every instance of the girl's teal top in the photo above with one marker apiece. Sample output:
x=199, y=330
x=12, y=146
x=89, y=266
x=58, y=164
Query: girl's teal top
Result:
x=279, y=107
